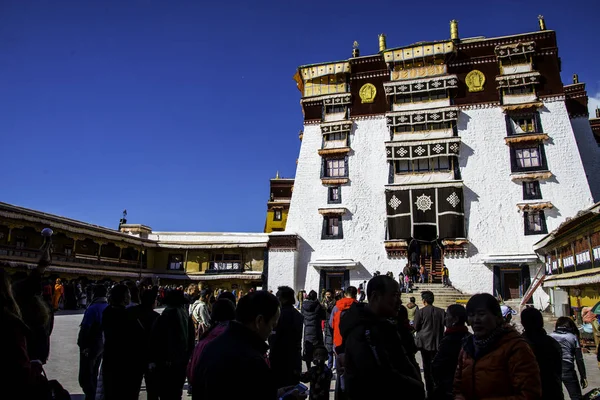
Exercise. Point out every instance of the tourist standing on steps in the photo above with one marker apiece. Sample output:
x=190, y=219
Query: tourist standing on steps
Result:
x=571, y=355
x=90, y=342
x=446, y=359
x=412, y=308
x=286, y=341
x=374, y=362
x=429, y=324
x=547, y=352
x=445, y=276
x=313, y=314
x=496, y=362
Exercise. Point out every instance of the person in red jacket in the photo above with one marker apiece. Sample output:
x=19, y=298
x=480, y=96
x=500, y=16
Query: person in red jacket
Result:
x=340, y=308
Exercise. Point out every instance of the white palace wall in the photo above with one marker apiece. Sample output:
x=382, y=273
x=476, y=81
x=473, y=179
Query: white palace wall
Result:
x=494, y=224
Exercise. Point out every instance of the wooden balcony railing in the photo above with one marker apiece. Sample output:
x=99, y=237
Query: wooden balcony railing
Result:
x=33, y=254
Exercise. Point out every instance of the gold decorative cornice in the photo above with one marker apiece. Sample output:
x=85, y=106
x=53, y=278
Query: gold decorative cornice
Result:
x=535, y=206
x=527, y=137
x=334, y=181
x=531, y=176
x=333, y=211
x=339, y=150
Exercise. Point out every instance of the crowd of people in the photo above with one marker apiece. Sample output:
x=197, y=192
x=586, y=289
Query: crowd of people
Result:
x=268, y=345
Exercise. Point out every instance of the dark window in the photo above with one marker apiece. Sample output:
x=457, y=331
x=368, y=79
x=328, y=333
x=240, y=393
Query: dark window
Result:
x=335, y=168
x=531, y=190
x=332, y=227
x=175, y=262
x=68, y=251
x=528, y=158
x=429, y=126
x=334, y=195
x=277, y=215
x=335, y=109
x=226, y=262
x=422, y=165
x=524, y=123
x=20, y=244
x=535, y=223
x=421, y=96
x=519, y=90
x=335, y=136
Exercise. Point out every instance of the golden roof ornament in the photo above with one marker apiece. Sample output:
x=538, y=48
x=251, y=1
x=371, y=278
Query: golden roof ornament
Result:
x=454, y=29
x=542, y=22
x=355, y=50
x=597, y=112
x=382, y=44
x=277, y=175
x=575, y=78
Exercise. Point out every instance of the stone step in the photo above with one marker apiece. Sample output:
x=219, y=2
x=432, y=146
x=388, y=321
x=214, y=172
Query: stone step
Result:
x=444, y=296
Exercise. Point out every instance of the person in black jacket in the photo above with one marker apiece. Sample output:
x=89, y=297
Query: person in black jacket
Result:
x=406, y=330
x=548, y=353
x=143, y=318
x=117, y=376
x=375, y=364
x=238, y=355
x=445, y=361
x=328, y=304
x=286, y=341
x=171, y=343
x=313, y=314
x=429, y=324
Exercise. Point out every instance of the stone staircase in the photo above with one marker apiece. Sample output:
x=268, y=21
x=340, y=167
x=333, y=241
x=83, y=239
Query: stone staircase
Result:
x=444, y=296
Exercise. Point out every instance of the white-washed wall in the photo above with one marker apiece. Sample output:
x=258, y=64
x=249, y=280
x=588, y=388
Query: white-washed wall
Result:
x=494, y=224
x=590, y=153
x=282, y=264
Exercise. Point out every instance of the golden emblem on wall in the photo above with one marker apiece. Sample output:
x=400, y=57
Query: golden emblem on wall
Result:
x=475, y=81
x=367, y=93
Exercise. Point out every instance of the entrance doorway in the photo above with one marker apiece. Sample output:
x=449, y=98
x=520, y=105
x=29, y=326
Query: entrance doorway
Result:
x=512, y=285
x=428, y=254
x=334, y=280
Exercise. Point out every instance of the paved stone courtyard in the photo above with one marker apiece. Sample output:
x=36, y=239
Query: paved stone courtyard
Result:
x=64, y=356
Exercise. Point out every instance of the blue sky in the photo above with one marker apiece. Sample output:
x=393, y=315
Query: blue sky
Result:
x=180, y=111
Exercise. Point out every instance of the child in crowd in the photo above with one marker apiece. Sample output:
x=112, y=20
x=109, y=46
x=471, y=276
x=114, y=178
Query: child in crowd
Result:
x=319, y=375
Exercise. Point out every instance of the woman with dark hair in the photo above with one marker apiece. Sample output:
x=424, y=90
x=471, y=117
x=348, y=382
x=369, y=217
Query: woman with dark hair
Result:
x=547, y=353
x=171, y=344
x=496, y=362
x=328, y=304
x=223, y=311
x=17, y=372
x=313, y=314
x=565, y=334
x=405, y=329
x=444, y=362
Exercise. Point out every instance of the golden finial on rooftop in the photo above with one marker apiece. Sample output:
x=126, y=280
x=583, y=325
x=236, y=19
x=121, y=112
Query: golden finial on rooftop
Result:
x=454, y=29
x=382, y=44
x=355, y=50
x=542, y=22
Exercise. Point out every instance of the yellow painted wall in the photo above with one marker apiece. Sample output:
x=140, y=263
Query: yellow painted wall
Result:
x=197, y=260
x=271, y=223
x=254, y=259
x=590, y=295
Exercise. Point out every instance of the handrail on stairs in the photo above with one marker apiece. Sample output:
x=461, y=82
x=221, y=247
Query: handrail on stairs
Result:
x=537, y=281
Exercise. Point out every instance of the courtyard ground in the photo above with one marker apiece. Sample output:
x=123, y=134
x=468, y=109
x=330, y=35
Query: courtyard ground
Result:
x=64, y=356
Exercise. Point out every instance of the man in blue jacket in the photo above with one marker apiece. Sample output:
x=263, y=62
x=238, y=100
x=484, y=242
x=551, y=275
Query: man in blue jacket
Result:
x=90, y=342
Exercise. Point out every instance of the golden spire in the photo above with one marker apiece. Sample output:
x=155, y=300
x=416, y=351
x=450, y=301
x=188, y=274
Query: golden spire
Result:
x=575, y=78
x=454, y=30
x=597, y=112
x=382, y=44
x=277, y=175
x=542, y=22
x=355, y=51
